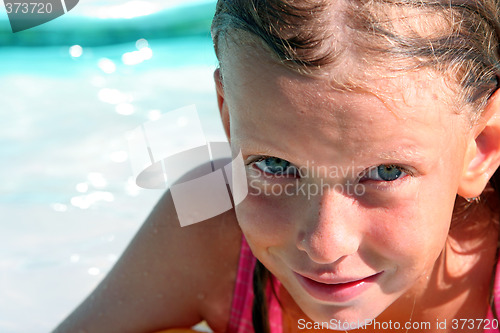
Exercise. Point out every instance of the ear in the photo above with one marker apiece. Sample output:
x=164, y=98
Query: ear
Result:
x=221, y=103
x=483, y=153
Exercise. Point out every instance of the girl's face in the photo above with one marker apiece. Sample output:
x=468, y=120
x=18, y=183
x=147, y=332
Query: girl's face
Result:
x=350, y=193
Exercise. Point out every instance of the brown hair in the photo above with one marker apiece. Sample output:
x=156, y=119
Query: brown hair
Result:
x=261, y=277
x=459, y=37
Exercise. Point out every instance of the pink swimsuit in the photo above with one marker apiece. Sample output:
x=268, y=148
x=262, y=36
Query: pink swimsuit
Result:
x=240, y=320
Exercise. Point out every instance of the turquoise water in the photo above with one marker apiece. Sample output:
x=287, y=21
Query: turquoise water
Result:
x=125, y=21
x=68, y=201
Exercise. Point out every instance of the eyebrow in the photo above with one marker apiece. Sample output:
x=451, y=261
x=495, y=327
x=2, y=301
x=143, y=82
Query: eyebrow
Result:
x=402, y=153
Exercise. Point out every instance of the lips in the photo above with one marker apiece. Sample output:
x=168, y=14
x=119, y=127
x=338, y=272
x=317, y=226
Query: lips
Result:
x=336, y=290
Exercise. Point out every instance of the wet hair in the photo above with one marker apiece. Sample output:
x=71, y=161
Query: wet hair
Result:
x=261, y=277
x=456, y=37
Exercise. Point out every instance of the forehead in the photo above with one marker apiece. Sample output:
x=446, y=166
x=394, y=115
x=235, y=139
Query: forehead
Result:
x=248, y=68
x=246, y=59
x=266, y=97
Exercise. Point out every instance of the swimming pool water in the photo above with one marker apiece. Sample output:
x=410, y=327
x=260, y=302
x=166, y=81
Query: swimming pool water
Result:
x=68, y=203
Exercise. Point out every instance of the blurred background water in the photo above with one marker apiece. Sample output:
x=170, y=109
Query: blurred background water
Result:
x=70, y=90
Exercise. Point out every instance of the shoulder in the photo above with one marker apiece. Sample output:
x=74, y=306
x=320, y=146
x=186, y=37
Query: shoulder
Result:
x=203, y=257
x=169, y=276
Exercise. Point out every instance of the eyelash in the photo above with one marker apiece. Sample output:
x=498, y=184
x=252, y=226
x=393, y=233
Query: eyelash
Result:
x=362, y=178
x=258, y=159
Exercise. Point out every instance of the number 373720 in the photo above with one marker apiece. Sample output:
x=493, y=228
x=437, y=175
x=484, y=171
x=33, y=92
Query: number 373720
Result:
x=28, y=7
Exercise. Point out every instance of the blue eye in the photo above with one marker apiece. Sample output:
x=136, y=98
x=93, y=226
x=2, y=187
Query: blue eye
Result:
x=276, y=166
x=387, y=173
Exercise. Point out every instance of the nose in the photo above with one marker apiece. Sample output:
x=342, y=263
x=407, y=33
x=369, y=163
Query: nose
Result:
x=331, y=231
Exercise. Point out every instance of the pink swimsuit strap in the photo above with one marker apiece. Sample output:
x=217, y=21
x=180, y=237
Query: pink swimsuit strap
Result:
x=240, y=320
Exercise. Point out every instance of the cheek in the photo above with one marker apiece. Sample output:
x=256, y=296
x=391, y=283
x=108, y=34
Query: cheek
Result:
x=410, y=234
x=266, y=220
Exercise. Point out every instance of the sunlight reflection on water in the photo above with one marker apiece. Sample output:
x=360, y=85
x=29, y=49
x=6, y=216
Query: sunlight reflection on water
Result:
x=68, y=202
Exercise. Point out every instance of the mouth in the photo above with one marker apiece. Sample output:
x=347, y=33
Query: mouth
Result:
x=339, y=290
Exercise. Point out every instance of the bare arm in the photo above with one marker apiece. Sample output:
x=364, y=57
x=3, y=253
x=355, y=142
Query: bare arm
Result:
x=168, y=277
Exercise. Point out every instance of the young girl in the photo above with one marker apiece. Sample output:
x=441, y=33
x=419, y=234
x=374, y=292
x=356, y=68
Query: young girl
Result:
x=370, y=132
